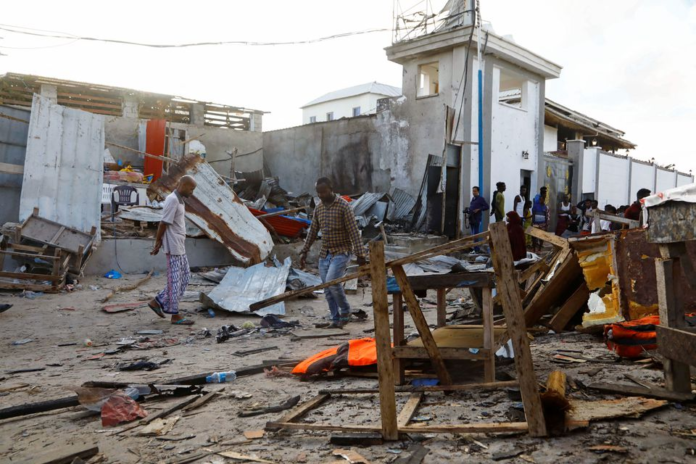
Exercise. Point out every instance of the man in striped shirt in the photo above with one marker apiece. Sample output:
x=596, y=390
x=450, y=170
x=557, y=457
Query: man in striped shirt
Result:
x=339, y=236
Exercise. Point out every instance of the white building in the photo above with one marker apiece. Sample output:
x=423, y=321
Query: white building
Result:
x=347, y=103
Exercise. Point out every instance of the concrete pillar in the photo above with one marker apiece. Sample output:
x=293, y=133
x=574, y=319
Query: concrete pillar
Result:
x=256, y=122
x=576, y=151
x=198, y=114
x=50, y=91
x=131, y=107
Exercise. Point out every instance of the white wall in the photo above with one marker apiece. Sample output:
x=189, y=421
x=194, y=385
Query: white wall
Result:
x=665, y=180
x=613, y=180
x=589, y=174
x=642, y=176
x=514, y=130
x=550, y=138
x=342, y=108
x=683, y=179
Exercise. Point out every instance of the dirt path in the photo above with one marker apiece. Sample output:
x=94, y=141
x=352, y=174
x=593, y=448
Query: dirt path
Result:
x=51, y=320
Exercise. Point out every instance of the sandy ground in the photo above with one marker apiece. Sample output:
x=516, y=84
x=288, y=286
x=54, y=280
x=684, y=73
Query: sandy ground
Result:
x=51, y=320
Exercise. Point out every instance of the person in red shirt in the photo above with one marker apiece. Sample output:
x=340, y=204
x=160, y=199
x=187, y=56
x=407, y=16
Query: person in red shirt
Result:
x=633, y=211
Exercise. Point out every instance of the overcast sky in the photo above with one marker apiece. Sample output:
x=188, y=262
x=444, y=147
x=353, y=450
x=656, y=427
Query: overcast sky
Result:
x=628, y=63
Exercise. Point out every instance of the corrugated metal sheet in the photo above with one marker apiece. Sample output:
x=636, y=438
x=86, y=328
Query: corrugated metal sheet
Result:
x=64, y=167
x=13, y=147
x=242, y=287
x=365, y=202
x=403, y=204
x=216, y=209
x=371, y=87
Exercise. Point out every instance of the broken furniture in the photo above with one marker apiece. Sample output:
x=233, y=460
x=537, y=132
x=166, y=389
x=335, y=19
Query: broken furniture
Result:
x=509, y=291
x=483, y=346
x=671, y=225
x=48, y=272
x=37, y=231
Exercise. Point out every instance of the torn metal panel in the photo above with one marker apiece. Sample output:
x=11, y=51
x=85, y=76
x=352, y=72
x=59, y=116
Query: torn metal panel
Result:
x=403, y=203
x=242, y=287
x=150, y=214
x=363, y=204
x=216, y=209
x=63, y=171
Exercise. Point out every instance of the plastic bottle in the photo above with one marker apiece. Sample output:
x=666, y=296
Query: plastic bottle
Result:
x=221, y=377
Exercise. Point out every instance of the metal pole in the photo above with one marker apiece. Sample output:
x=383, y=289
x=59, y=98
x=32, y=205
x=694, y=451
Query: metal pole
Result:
x=480, y=95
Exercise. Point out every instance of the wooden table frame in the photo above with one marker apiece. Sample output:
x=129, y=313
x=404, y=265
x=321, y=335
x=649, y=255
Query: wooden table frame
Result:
x=509, y=291
x=441, y=283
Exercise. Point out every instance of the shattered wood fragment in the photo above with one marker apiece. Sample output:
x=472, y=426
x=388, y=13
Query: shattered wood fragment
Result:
x=241, y=457
x=254, y=434
x=127, y=288
x=168, y=411
x=66, y=454
x=290, y=403
x=202, y=400
x=555, y=403
x=635, y=390
x=584, y=412
x=299, y=411
x=42, y=406
x=351, y=456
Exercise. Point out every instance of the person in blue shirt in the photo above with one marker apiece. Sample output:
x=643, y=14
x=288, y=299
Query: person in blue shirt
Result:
x=476, y=207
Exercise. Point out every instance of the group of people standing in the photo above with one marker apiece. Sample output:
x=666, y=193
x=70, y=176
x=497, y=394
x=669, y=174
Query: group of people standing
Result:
x=572, y=219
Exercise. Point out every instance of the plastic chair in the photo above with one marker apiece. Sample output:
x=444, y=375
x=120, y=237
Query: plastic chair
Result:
x=123, y=196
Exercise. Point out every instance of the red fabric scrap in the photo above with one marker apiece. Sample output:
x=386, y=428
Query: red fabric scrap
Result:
x=120, y=408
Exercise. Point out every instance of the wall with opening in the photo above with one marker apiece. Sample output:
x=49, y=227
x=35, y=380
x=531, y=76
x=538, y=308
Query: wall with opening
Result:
x=428, y=82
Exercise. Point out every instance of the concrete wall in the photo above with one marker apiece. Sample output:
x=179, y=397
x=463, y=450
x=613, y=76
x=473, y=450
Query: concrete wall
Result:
x=550, y=138
x=684, y=179
x=124, y=131
x=342, y=108
x=513, y=131
x=355, y=153
x=613, y=180
x=665, y=180
x=132, y=256
x=642, y=176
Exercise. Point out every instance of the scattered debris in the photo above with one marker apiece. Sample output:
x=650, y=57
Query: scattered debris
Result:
x=139, y=366
x=241, y=457
x=120, y=408
x=290, y=403
x=254, y=434
x=159, y=427
x=583, y=412
x=352, y=456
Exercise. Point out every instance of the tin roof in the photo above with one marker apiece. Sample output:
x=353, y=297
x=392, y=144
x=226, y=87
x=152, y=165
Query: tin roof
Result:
x=370, y=87
x=217, y=210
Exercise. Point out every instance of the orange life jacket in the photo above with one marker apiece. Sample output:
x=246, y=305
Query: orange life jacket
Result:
x=630, y=339
x=354, y=353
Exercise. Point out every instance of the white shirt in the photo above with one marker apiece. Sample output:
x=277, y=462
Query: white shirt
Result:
x=173, y=215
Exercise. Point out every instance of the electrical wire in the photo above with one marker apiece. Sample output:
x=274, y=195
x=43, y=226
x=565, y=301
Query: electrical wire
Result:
x=64, y=35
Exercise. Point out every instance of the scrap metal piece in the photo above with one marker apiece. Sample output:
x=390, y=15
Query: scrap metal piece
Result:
x=242, y=287
x=216, y=209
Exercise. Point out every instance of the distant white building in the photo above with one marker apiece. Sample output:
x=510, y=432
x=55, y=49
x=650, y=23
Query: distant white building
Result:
x=347, y=103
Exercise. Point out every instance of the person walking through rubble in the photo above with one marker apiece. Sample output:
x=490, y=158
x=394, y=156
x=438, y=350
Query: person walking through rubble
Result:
x=171, y=235
x=498, y=203
x=339, y=236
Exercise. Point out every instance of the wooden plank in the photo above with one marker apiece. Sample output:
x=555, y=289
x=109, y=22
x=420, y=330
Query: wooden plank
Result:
x=11, y=168
x=677, y=345
x=454, y=280
x=449, y=247
x=488, y=335
x=29, y=255
x=26, y=276
x=398, y=312
x=441, y=307
x=568, y=272
x=553, y=239
x=299, y=411
x=539, y=266
x=409, y=409
x=167, y=411
x=202, y=400
x=434, y=388
x=419, y=352
x=509, y=290
x=422, y=325
x=667, y=275
x=385, y=368
x=64, y=454
x=471, y=428
x=637, y=390
x=42, y=406
x=570, y=308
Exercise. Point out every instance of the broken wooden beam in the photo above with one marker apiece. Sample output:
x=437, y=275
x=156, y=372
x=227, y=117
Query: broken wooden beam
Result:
x=677, y=345
x=300, y=411
x=570, y=308
x=127, y=288
x=635, y=390
x=555, y=403
x=66, y=454
x=433, y=388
